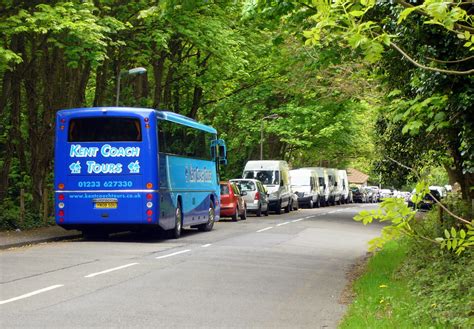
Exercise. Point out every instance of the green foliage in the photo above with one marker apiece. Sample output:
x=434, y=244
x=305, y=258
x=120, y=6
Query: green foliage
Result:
x=382, y=296
x=441, y=281
x=410, y=284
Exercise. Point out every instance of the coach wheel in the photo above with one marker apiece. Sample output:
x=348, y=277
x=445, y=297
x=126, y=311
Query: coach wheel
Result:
x=210, y=222
x=178, y=223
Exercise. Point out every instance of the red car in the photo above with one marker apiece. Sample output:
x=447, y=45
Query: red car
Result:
x=232, y=203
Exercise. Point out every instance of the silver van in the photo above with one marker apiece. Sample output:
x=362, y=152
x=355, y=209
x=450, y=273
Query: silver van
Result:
x=323, y=183
x=305, y=184
x=256, y=196
x=274, y=175
x=346, y=195
x=334, y=186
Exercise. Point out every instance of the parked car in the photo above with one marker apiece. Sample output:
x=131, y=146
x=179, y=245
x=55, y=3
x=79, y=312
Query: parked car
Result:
x=256, y=196
x=374, y=193
x=385, y=193
x=359, y=194
x=427, y=202
x=232, y=202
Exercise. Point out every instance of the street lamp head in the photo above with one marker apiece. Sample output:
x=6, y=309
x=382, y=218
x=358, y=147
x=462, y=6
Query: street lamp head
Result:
x=271, y=116
x=134, y=71
x=137, y=70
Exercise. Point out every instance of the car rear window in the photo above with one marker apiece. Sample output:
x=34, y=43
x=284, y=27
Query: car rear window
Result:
x=109, y=129
x=224, y=189
x=245, y=186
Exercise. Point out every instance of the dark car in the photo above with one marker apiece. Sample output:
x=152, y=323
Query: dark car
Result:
x=359, y=195
x=427, y=202
x=232, y=203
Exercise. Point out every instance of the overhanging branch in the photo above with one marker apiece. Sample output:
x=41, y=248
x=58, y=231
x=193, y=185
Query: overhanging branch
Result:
x=451, y=72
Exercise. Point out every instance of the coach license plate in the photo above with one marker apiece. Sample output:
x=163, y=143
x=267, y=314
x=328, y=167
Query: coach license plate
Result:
x=105, y=203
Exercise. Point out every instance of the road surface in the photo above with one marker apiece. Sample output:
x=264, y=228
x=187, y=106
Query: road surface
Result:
x=281, y=271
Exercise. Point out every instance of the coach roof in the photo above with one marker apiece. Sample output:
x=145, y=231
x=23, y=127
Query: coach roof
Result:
x=165, y=115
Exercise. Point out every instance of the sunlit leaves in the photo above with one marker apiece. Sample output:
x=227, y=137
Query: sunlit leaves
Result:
x=457, y=240
x=73, y=27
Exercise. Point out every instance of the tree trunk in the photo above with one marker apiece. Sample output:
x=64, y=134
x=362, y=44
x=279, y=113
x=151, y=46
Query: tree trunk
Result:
x=158, y=68
x=168, y=88
x=7, y=148
x=101, y=84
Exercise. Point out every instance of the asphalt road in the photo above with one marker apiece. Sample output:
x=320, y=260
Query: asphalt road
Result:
x=281, y=271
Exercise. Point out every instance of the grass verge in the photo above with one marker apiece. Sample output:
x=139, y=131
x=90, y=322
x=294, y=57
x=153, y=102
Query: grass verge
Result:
x=383, y=298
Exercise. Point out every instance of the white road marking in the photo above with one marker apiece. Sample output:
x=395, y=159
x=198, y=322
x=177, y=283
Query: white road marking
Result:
x=30, y=294
x=332, y=212
x=281, y=224
x=265, y=229
x=206, y=245
x=307, y=217
x=298, y=220
x=173, y=254
x=110, y=270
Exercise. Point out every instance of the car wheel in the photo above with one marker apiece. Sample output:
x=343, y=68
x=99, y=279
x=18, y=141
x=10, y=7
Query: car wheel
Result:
x=210, y=222
x=259, y=210
x=278, y=208
x=243, y=216
x=235, y=214
x=289, y=206
x=178, y=223
x=311, y=204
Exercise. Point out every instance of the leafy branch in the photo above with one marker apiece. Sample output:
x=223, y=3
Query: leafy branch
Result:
x=401, y=217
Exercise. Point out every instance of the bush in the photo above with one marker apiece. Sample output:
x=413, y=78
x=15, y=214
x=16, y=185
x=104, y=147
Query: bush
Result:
x=441, y=279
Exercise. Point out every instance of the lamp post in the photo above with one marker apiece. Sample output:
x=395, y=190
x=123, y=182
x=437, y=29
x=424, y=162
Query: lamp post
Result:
x=271, y=116
x=134, y=71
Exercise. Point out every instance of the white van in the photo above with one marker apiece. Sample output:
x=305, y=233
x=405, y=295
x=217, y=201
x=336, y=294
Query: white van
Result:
x=334, y=188
x=344, y=186
x=274, y=175
x=305, y=184
x=323, y=182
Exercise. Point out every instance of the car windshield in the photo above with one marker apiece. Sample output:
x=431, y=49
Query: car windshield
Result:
x=245, y=185
x=267, y=177
x=435, y=193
